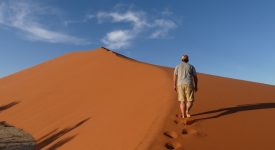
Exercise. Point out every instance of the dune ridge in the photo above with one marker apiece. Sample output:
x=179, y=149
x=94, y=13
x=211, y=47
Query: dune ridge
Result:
x=100, y=99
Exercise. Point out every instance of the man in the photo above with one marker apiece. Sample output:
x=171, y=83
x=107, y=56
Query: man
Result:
x=185, y=84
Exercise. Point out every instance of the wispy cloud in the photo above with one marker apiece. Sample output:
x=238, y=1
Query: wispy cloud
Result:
x=140, y=21
x=22, y=15
x=163, y=27
x=121, y=38
x=118, y=39
x=135, y=18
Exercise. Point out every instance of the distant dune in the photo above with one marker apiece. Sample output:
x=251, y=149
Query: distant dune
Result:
x=101, y=100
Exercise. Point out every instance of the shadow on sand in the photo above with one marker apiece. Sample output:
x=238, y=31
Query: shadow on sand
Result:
x=54, y=135
x=235, y=109
x=7, y=106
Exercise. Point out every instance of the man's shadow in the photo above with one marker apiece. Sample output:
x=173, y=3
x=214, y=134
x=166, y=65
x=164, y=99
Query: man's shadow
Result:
x=235, y=109
x=7, y=106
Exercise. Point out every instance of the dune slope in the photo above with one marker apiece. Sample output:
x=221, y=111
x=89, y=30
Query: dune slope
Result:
x=102, y=100
x=88, y=100
x=227, y=114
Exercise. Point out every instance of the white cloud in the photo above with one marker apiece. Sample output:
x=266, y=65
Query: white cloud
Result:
x=38, y=33
x=20, y=15
x=163, y=27
x=118, y=39
x=136, y=18
x=122, y=38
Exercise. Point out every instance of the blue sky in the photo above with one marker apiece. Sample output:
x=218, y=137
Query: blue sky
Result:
x=230, y=38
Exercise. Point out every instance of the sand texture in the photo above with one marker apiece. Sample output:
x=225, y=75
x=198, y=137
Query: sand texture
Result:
x=101, y=100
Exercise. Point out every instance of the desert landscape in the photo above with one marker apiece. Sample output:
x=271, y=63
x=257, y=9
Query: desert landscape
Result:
x=101, y=100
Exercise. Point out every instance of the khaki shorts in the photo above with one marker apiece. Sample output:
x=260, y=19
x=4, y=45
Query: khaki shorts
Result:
x=185, y=93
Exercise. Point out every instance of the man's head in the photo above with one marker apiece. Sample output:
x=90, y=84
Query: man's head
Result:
x=184, y=58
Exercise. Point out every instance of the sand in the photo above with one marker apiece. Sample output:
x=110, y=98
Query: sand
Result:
x=227, y=114
x=101, y=100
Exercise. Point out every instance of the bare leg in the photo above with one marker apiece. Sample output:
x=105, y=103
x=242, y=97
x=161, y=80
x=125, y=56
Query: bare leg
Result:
x=188, y=107
x=182, y=108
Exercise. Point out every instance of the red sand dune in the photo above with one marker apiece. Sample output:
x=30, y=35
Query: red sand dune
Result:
x=95, y=100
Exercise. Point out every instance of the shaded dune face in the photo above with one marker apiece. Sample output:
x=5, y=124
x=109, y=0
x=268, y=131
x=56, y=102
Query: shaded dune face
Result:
x=103, y=100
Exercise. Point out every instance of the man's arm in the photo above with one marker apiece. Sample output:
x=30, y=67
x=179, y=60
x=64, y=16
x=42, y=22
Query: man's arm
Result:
x=175, y=82
x=196, y=82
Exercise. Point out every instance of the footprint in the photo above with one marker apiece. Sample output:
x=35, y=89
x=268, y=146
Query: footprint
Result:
x=184, y=131
x=172, y=145
x=193, y=132
x=171, y=134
